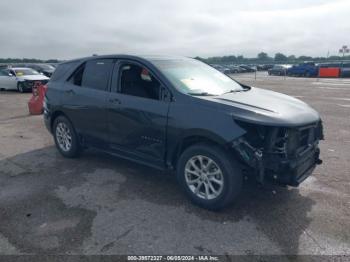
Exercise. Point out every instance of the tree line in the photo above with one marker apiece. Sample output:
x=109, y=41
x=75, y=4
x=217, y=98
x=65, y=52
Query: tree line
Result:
x=261, y=58
x=264, y=58
x=28, y=60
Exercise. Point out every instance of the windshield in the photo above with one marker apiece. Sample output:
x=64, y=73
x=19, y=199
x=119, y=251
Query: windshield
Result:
x=25, y=72
x=193, y=77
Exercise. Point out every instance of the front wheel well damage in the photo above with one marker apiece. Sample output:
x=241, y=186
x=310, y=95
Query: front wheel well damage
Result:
x=190, y=141
x=274, y=152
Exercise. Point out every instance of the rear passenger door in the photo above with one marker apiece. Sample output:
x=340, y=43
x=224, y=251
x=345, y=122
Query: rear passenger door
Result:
x=84, y=99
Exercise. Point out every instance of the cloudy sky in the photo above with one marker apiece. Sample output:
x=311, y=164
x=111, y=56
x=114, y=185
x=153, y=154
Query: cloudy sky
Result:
x=73, y=28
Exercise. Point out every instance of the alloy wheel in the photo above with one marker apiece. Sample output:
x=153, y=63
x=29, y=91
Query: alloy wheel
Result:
x=63, y=136
x=204, y=177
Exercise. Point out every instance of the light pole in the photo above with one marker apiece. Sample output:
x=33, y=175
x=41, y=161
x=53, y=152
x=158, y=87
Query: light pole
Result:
x=344, y=50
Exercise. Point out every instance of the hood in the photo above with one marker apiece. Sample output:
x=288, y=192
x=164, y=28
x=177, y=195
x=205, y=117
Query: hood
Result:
x=267, y=108
x=33, y=77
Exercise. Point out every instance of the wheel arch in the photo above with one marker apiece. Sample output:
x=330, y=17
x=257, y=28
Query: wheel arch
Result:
x=57, y=114
x=192, y=138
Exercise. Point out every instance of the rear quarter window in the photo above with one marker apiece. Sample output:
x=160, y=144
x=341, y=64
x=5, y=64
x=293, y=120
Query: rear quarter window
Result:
x=61, y=71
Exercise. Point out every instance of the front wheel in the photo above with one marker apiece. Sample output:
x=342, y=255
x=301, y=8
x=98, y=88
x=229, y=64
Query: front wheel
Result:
x=66, y=139
x=209, y=175
x=20, y=87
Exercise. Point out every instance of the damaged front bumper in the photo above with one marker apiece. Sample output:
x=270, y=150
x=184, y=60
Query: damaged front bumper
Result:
x=287, y=157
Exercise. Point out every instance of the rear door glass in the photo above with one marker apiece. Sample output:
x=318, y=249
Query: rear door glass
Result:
x=97, y=74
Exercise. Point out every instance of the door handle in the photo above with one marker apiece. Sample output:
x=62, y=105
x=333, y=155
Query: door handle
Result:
x=70, y=92
x=114, y=101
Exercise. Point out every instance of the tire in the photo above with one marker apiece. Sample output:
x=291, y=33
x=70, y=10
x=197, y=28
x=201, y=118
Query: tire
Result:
x=222, y=161
x=65, y=137
x=20, y=87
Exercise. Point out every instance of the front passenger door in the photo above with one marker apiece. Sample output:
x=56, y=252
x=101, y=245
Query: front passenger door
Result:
x=137, y=116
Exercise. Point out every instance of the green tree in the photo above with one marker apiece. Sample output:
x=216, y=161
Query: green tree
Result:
x=292, y=57
x=280, y=57
x=304, y=58
x=263, y=56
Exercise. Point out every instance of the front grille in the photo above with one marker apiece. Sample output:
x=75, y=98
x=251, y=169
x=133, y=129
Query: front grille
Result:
x=282, y=142
x=294, y=141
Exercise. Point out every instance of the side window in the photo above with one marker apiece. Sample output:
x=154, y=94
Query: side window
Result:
x=96, y=74
x=61, y=70
x=3, y=72
x=76, y=78
x=138, y=81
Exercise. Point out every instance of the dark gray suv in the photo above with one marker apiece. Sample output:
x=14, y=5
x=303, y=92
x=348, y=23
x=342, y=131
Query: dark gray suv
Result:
x=180, y=114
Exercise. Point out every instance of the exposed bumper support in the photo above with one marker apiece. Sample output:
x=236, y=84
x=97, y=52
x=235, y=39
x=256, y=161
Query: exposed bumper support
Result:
x=282, y=170
x=251, y=156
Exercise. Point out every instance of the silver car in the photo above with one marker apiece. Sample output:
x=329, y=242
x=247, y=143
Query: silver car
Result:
x=20, y=78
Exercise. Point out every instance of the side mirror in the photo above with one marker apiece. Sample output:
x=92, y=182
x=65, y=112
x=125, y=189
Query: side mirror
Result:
x=166, y=95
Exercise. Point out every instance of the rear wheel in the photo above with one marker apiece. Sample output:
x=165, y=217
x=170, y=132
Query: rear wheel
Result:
x=209, y=175
x=20, y=87
x=65, y=137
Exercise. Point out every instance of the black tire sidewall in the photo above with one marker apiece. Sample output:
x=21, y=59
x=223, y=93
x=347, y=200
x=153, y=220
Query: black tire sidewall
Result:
x=74, y=150
x=230, y=170
x=20, y=87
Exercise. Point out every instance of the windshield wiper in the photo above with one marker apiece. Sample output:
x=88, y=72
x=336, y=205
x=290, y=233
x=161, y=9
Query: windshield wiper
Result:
x=232, y=91
x=201, y=94
x=236, y=91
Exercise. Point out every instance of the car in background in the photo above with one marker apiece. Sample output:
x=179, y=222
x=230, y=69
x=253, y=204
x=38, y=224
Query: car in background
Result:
x=307, y=69
x=20, y=78
x=45, y=69
x=345, y=69
x=221, y=68
x=234, y=69
x=264, y=67
x=248, y=69
x=278, y=70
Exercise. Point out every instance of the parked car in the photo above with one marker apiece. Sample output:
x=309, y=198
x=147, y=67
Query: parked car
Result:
x=308, y=69
x=180, y=114
x=236, y=69
x=222, y=69
x=248, y=69
x=45, y=69
x=264, y=67
x=345, y=70
x=278, y=70
x=20, y=78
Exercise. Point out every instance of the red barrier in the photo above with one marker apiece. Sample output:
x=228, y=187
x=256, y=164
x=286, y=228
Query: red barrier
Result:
x=329, y=72
x=36, y=102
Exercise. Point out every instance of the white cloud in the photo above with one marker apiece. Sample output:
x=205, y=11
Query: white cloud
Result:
x=67, y=29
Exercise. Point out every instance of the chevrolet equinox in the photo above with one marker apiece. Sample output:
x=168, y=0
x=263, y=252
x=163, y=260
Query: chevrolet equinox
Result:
x=180, y=114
